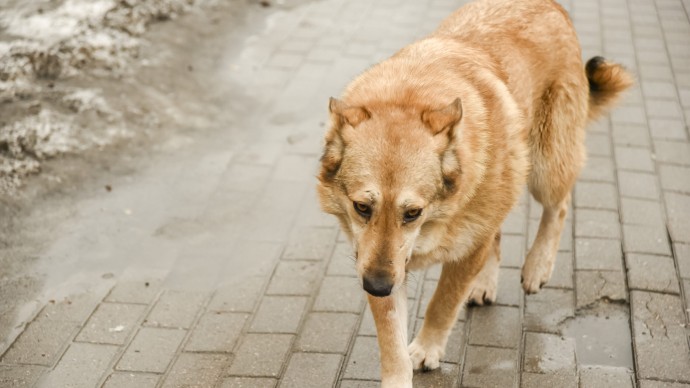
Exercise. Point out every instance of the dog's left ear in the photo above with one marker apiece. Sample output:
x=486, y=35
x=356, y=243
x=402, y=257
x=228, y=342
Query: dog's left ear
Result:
x=444, y=119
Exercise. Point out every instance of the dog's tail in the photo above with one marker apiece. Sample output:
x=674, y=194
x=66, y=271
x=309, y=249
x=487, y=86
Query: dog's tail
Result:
x=606, y=82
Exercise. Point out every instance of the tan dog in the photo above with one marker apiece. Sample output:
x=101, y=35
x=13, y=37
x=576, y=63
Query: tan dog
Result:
x=429, y=150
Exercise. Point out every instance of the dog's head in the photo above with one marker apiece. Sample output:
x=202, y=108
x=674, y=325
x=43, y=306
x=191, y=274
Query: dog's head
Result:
x=385, y=172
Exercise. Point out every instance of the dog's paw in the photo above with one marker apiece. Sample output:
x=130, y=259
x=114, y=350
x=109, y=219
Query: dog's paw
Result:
x=485, y=286
x=484, y=289
x=425, y=356
x=535, y=273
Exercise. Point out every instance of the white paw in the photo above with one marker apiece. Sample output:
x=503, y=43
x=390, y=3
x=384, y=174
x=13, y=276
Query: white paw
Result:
x=535, y=273
x=425, y=356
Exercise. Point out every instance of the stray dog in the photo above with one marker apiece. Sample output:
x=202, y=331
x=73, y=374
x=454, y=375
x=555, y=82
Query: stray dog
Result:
x=429, y=150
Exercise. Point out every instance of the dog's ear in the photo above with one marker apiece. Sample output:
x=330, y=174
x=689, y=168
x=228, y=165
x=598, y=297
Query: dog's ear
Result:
x=341, y=114
x=444, y=119
x=352, y=116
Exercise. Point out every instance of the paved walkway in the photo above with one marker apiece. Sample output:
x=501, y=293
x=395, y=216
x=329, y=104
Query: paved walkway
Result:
x=216, y=267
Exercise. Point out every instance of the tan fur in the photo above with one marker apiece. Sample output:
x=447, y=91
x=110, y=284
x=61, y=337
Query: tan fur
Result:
x=455, y=125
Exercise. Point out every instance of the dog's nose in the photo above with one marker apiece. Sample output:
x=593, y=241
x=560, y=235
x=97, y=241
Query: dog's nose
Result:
x=377, y=285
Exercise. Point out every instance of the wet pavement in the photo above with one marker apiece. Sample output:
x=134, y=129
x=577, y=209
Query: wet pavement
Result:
x=201, y=258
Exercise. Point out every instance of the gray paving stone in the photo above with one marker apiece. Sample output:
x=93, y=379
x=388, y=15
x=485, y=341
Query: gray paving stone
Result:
x=593, y=286
x=641, y=212
x=130, y=380
x=367, y=327
x=638, y=185
x=151, y=350
x=311, y=370
x=445, y=376
x=651, y=273
x=667, y=129
x=20, y=375
x=216, y=332
x=675, y=178
x=660, y=337
x=364, y=360
x=645, y=239
x=598, y=145
x=327, y=332
x=248, y=382
x=286, y=60
x=629, y=114
x=298, y=277
x=143, y=291
x=631, y=135
x=562, y=275
x=512, y=250
x=516, y=222
x=40, y=343
x=633, y=158
x=538, y=380
x=682, y=254
x=673, y=152
x=261, y=355
x=597, y=223
x=547, y=309
x=279, y=314
x=677, y=209
x=659, y=89
x=509, y=287
x=83, y=365
x=599, y=254
x=359, y=384
x=661, y=384
x=663, y=108
x=342, y=261
x=596, y=196
x=197, y=370
x=295, y=167
x=490, y=367
x=605, y=377
x=550, y=354
x=598, y=169
x=239, y=296
x=339, y=294
x=310, y=244
x=111, y=323
x=176, y=309
x=497, y=326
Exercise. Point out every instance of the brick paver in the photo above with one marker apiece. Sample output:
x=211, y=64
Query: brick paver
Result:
x=244, y=282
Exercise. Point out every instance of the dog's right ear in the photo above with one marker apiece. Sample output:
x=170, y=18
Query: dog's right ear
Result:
x=344, y=114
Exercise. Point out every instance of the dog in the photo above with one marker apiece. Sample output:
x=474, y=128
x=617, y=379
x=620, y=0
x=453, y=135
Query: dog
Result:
x=428, y=151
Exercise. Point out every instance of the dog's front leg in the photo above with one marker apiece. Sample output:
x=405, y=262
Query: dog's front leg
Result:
x=452, y=290
x=390, y=316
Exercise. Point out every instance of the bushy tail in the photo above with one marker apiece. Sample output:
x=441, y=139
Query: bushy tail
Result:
x=606, y=82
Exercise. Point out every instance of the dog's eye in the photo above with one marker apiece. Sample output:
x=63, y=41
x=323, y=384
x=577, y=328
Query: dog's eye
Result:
x=362, y=209
x=411, y=215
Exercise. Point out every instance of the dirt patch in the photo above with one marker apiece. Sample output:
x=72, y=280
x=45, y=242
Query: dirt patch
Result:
x=48, y=49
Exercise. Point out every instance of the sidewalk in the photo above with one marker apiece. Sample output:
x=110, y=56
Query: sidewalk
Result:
x=216, y=268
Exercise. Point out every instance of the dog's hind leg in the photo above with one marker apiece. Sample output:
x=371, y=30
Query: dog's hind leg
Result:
x=485, y=286
x=452, y=290
x=557, y=153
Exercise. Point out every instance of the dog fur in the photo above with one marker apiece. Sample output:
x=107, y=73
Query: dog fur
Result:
x=429, y=150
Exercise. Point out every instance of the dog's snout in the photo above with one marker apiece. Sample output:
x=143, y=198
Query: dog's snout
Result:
x=377, y=285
